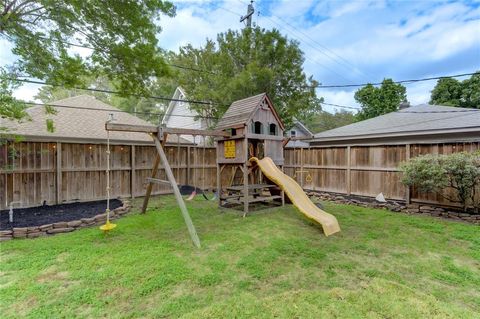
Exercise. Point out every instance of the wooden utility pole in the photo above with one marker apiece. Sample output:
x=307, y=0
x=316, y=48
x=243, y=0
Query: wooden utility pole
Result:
x=248, y=16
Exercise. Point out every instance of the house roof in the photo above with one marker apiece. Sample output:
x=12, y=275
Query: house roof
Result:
x=416, y=120
x=83, y=122
x=302, y=127
x=241, y=111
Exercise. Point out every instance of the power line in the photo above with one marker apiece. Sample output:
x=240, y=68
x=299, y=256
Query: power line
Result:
x=307, y=43
x=407, y=111
x=322, y=49
x=398, y=82
x=118, y=93
x=342, y=106
x=115, y=110
x=281, y=27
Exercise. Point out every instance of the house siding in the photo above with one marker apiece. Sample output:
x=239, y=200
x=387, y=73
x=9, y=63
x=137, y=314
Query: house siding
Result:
x=181, y=116
x=298, y=133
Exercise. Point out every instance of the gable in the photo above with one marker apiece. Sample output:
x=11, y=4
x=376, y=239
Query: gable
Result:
x=176, y=108
x=266, y=113
x=240, y=113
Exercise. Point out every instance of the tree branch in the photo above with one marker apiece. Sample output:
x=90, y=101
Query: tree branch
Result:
x=447, y=197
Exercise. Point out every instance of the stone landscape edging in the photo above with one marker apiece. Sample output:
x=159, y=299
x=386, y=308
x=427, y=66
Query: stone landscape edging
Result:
x=63, y=227
x=397, y=206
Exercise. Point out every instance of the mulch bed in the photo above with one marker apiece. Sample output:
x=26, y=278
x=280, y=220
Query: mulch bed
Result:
x=36, y=216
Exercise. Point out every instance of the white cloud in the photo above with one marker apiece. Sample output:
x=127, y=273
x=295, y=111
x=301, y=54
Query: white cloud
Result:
x=199, y=21
x=339, y=97
x=26, y=92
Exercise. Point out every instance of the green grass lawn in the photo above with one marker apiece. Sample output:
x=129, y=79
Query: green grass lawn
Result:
x=274, y=263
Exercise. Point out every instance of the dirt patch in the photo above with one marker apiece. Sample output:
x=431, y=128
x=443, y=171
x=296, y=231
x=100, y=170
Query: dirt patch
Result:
x=42, y=215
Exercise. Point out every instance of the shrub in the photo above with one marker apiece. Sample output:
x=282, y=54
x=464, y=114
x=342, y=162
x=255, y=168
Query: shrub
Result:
x=435, y=173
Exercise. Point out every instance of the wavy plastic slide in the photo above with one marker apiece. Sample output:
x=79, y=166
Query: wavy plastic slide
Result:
x=298, y=197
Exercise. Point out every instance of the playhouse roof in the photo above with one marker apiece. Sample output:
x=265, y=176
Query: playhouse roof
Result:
x=79, y=119
x=240, y=112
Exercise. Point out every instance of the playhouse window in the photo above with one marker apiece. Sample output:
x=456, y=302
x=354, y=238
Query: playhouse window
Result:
x=273, y=129
x=257, y=127
x=293, y=133
x=232, y=131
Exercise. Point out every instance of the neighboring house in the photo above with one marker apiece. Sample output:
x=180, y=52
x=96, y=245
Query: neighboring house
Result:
x=180, y=115
x=79, y=119
x=416, y=124
x=298, y=130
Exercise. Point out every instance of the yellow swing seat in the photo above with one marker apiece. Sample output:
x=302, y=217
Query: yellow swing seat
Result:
x=108, y=226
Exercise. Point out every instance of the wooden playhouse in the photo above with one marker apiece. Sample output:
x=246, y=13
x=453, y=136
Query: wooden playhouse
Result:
x=256, y=130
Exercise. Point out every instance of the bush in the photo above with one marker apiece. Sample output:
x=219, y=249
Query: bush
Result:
x=435, y=173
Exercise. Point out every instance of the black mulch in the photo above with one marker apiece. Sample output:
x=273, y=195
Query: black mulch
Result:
x=36, y=216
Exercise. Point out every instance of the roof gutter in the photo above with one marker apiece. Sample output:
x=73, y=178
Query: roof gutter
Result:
x=396, y=134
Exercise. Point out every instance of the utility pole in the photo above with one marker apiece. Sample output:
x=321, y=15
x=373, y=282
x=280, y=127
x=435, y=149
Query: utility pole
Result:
x=249, y=15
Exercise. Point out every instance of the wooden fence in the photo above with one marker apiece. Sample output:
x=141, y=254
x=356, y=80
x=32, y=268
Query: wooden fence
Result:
x=33, y=172
x=365, y=170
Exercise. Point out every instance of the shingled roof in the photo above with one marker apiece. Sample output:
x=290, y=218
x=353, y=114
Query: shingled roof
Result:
x=416, y=120
x=239, y=112
x=84, y=122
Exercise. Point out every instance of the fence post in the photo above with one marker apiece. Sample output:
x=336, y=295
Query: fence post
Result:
x=407, y=188
x=301, y=167
x=349, y=178
x=132, y=171
x=59, y=172
x=188, y=167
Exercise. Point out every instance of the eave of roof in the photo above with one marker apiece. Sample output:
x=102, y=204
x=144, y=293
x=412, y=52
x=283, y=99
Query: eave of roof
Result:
x=241, y=112
x=396, y=134
x=417, y=120
x=176, y=95
x=302, y=127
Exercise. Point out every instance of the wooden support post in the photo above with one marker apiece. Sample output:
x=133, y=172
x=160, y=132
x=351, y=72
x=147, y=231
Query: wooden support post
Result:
x=348, y=177
x=219, y=185
x=132, y=171
x=176, y=191
x=407, y=188
x=282, y=193
x=245, y=178
x=59, y=173
x=156, y=163
x=245, y=189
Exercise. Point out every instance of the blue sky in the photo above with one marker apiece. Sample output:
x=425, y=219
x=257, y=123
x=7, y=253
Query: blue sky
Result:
x=346, y=42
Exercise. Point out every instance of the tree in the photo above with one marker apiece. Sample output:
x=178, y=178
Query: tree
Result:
x=436, y=173
x=121, y=35
x=376, y=101
x=9, y=107
x=48, y=93
x=323, y=121
x=451, y=92
x=244, y=63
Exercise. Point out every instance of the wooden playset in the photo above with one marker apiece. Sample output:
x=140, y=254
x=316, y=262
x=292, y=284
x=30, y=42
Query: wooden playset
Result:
x=250, y=157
